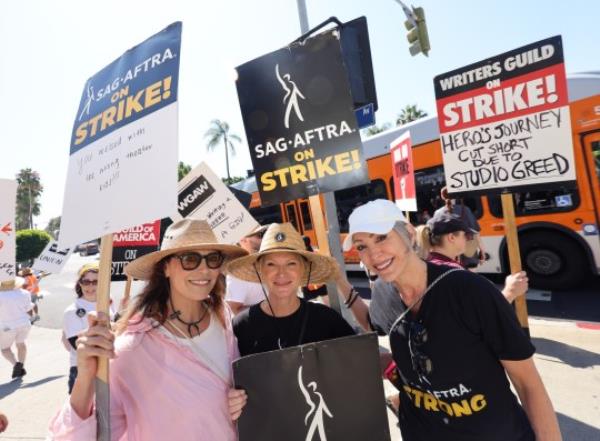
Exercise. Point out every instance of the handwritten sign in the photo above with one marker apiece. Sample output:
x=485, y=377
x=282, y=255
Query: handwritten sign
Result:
x=505, y=123
x=123, y=157
x=8, y=197
x=53, y=259
x=131, y=243
x=202, y=195
x=300, y=122
x=404, y=173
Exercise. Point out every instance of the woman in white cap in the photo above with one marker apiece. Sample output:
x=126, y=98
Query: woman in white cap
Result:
x=455, y=343
x=170, y=369
x=283, y=266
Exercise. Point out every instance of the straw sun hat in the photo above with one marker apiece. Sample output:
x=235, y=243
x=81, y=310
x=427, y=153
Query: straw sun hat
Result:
x=184, y=235
x=284, y=238
x=9, y=285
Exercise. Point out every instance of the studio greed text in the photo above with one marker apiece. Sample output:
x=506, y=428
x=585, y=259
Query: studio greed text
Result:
x=125, y=103
x=308, y=166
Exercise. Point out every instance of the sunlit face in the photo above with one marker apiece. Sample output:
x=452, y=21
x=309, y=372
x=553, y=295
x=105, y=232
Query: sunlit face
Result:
x=282, y=273
x=251, y=243
x=457, y=242
x=89, y=285
x=383, y=254
x=191, y=285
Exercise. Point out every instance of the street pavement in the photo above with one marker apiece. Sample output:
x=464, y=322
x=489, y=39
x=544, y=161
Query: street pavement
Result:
x=568, y=357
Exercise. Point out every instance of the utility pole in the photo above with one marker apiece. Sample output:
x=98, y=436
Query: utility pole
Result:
x=332, y=239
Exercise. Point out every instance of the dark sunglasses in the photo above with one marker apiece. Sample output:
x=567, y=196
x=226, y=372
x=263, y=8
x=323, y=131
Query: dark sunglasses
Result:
x=190, y=261
x=85, y=282
x=469, y=235
x=417, y=336
x=260, y=234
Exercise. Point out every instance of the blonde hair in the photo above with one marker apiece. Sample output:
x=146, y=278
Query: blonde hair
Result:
x=422, y=241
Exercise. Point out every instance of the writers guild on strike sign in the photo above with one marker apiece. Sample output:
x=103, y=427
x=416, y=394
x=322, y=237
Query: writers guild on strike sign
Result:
x=505, y=122
x=300, y=122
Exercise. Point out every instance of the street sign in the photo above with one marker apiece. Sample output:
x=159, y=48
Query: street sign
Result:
x=365, y=116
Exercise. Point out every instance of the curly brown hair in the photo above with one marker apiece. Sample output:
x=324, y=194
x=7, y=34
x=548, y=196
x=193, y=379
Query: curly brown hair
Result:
x=153, y=301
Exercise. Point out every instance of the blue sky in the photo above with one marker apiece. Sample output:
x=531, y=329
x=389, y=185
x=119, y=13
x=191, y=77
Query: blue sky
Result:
x=49, y=49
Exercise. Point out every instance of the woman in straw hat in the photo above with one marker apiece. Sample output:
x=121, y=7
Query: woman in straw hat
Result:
x=170, y=369
x=283, y=266
x=455, y=343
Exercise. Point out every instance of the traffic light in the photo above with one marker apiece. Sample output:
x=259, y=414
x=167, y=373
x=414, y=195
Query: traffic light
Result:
x=417, y=32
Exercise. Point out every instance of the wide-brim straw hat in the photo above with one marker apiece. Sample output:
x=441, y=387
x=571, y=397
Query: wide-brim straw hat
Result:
x=9, y=285
x=280, y=238
x=184, y=235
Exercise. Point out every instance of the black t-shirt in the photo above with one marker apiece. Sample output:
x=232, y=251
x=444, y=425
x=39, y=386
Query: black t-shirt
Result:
x=470, y=327
x=258, y=332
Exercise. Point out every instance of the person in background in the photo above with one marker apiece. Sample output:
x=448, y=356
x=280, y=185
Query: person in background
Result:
x=456, y=344
x=32, y=284
x=241, y=294
x=15, y=314
x=3, y=422
x=75, y=316
x=170, y=365
x=444, y=239
x=474, y=254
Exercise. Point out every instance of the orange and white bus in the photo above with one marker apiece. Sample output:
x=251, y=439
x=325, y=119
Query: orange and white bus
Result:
x=559, y=229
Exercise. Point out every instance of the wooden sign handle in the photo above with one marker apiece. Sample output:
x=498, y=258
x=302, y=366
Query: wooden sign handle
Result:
x=103, y=305
x=514, y=254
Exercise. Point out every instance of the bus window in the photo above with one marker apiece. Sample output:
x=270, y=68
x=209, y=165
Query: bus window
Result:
x=305, y=212
x=429, y=183
x=538, y=202
x=596, y=155
x=292, y=216
x=350, y=198
x=266, y=215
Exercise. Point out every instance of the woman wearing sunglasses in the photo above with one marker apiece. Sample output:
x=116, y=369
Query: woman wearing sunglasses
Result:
x=75, y=316
x=170, y=367
x=455, y=344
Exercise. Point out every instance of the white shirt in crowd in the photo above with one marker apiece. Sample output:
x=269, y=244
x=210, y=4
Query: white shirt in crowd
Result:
x=210, y=347
x=241, y=291
x=14, y=305
x=74, y=323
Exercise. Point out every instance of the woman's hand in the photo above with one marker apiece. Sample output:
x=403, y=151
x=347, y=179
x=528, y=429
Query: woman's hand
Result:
x=96, y=341
x=237, y=400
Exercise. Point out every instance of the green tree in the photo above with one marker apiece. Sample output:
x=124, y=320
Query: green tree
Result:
x=53, y=227
x=182, y=170
x=29, y=190
x=232, y=180
x=375, y=129
x=219, y=132
x=410, y=113
x=30, y=243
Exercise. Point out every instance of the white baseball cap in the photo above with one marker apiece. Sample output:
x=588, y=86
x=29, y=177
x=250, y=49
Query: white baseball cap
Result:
x=375, y=217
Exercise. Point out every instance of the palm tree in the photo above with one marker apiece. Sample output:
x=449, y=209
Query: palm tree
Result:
x=410, y=113
x=375, y=129
x=29, y=190
x=219, y=131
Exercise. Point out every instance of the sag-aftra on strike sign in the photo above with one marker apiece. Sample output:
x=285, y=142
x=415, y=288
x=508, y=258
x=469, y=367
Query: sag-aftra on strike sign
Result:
x=505, y=123
x=300, y=121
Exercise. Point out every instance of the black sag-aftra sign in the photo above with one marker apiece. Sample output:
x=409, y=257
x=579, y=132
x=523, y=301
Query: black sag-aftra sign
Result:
x=300, y=123
x=310, y=392
x=505, y=123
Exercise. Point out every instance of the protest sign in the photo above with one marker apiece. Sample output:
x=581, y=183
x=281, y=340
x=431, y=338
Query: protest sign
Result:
x=505, y=123
x=8, y=198
x=53, y=259
x=404, y=173
x=301, y=393
x=300, y=122
x=131, y=243
x=202, y=195
x=123, y=158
